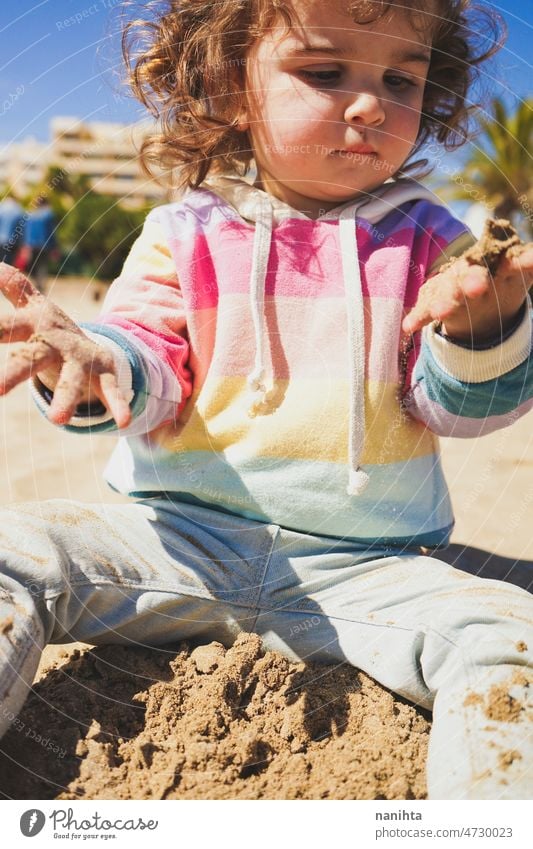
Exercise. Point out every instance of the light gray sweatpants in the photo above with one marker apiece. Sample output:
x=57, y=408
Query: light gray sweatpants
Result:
x=158, y=571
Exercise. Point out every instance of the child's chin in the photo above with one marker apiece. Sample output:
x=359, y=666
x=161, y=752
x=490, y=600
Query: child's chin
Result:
x=352, y=193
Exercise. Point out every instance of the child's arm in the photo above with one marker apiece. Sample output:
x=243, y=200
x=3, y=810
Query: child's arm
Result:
x=141, y=334
x=144, y=318
x=474, y=306
x=474, y=366
x=55, y=350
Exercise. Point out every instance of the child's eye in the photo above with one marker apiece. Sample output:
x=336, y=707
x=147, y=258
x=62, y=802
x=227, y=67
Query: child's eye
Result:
x=322, y=77
x=397, y=82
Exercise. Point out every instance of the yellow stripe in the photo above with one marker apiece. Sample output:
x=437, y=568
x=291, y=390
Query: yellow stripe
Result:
x=150, y=254
x=308, y=421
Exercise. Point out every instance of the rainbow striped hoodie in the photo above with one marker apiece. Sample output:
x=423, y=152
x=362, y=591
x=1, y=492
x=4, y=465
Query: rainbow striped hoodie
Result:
x=263, y=355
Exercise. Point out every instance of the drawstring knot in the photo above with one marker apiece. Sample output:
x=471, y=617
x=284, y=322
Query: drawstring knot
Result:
x=256, y=381
x=358, y=481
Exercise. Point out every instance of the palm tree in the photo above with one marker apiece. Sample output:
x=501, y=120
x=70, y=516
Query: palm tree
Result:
x=500, y=165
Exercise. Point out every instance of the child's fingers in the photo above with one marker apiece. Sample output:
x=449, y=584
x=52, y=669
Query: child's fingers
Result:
x=475, y=281
x=68, y=393
x=112, y=397
x=419, y=317
x=17, y=327
x=446, y=293
x=25, y=362
x=72, y=387
x=15, y=286
x=519, y=266
x=432, y=305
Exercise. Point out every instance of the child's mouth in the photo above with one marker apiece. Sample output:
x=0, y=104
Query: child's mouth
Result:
x=357, y=153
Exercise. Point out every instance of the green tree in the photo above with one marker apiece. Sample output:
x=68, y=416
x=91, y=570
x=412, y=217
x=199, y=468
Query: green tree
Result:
x=500, y=164
x=100, y=233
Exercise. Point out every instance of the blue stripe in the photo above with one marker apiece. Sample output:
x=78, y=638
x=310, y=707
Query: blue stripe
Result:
x=139, y=380
x=405, y=503
x=474, y=400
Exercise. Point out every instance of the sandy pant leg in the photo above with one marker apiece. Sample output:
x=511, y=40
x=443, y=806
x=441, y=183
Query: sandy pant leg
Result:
x=472, y=642
x=129, y=574
x=481, y=744
x=21, y=644
x=451, y=642
x=492, y=725
x=472, y=648
x=46, y=583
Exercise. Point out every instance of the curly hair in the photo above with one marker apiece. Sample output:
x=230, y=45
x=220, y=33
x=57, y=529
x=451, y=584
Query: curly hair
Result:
x=186, y=65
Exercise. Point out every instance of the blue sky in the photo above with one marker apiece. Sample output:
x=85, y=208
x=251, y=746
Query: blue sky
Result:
x=53, y=63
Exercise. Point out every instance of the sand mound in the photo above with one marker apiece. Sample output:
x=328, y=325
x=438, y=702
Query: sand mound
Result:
x=209, y=723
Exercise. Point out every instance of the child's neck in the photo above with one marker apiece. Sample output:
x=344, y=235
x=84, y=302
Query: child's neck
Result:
x=312, y=207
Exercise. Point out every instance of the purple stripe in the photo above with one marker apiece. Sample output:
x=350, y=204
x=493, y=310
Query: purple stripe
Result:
x=443, y=423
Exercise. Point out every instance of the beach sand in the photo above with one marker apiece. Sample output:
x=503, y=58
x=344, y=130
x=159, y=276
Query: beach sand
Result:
x=185, y=722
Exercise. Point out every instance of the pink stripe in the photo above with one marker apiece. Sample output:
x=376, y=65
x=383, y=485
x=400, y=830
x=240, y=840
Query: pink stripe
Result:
x=173, y=350
x=310, y=249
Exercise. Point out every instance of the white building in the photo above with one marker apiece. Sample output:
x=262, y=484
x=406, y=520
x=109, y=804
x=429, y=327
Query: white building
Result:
x=106, y=153
x=23, y=164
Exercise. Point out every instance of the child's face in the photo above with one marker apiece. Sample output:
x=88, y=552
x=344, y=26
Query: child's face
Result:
x=331, y=124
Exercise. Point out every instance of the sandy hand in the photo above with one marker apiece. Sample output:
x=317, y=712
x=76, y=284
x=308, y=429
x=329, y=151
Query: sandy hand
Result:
x=56, y=349
x=479, y=295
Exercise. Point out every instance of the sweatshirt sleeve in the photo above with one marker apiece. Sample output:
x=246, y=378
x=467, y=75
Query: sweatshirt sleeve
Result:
x=462, y=392
x=465, y=392
x=143, y=323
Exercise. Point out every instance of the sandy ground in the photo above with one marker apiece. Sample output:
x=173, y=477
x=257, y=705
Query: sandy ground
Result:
x=235, y=724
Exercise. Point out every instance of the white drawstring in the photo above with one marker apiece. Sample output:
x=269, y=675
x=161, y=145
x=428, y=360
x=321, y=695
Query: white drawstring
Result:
x=261, y=252
x=249, y=201
x=357, y=478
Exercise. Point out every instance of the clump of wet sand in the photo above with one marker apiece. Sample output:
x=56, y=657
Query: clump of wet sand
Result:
x=499, y=239
x=211, y=723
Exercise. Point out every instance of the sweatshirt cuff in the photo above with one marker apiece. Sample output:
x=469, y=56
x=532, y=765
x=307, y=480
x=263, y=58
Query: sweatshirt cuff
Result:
x=83, y=417
x=477, y=366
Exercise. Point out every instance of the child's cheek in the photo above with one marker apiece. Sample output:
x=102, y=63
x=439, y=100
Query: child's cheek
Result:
x=402, y=128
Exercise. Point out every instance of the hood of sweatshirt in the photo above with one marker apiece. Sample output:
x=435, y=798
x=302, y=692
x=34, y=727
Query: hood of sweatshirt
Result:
x=265, y=211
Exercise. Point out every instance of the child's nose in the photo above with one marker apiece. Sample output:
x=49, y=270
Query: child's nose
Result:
x=366, y=107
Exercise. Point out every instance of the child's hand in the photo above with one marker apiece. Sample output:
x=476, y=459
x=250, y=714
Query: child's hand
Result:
x=56, y=350
x=474, y=305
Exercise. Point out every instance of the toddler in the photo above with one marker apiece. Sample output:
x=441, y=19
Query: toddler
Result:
x=278, y=372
